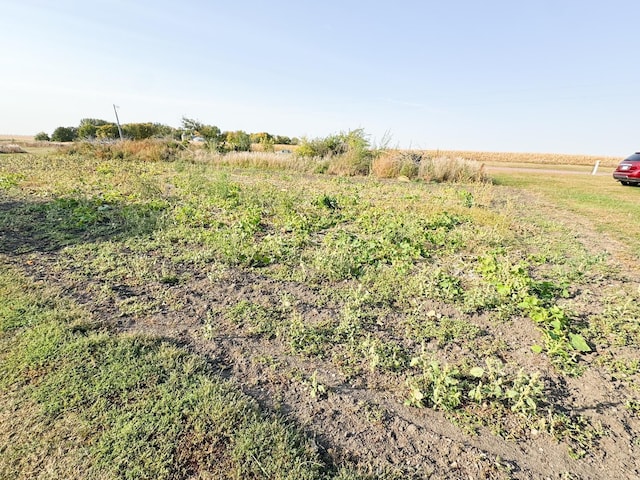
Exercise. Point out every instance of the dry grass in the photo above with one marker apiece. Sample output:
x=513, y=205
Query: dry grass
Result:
x=538, y=158
x=456, y=169
x=278, y=147
x=415, y=164
x=266, y=160
x=12, y=148
x=393, y=164
x=151, y=150
x=28, y=142
x=349, y=164
x=16, y=138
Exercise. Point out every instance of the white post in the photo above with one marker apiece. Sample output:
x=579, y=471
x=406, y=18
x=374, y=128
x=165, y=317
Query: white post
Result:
x=595, y=168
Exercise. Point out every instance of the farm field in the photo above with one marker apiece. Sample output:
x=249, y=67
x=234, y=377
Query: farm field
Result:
x=192, y=318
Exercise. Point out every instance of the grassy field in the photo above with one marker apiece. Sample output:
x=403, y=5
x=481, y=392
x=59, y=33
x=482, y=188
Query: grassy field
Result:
x=610, y=207
x=171, y=315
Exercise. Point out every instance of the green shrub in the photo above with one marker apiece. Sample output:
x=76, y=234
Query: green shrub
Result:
x=108, y=131
x=238, y=141
x=64, y=134
x=41, y=137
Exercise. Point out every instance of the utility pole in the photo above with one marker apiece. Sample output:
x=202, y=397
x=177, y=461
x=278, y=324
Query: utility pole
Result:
x=115, y=109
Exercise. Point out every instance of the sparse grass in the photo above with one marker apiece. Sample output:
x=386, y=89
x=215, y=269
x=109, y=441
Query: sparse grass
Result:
x=611, y=207
x=77, y=401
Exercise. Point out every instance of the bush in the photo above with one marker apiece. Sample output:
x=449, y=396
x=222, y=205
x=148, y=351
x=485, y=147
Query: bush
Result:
x=108, y=132
x=140, y=131
x=89, y=126
x=347, y=153
x=87, y=131
x=64, y=134
x=42, y=137
x=238, y=141
x=322, y=147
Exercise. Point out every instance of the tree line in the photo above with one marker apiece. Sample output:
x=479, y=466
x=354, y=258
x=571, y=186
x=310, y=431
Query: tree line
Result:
x=93, y=129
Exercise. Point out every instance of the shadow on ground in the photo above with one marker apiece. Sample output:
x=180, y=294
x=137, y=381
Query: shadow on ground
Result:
x=47, y=226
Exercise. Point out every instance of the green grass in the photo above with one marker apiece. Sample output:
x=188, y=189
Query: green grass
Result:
x=610, y=206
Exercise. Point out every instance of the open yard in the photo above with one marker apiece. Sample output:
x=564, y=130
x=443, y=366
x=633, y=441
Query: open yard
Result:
x=185, y=318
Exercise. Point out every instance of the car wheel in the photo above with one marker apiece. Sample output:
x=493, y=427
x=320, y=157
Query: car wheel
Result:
x=626, y=184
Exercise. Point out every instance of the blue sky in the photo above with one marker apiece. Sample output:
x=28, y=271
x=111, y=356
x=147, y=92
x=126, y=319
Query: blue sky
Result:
x=556, y=76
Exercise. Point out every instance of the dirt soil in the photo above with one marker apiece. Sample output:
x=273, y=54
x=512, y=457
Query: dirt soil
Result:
x=361, y=420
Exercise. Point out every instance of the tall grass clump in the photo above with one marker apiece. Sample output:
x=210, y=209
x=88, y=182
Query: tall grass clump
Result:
x=446, y=169
x=415, y=164
x=396, y=163
x=149, y=150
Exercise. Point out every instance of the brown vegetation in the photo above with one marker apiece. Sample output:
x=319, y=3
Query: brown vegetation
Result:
x=12, y=148
x=537, y=158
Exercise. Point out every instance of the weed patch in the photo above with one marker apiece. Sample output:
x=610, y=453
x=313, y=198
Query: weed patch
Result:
x=363, y=292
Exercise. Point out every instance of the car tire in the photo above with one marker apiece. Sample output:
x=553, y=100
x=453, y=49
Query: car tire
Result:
x=626, y=184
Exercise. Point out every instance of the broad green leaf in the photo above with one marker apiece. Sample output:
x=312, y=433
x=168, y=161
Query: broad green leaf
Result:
x=536, y=348
x=579, y=343
x=476, y=372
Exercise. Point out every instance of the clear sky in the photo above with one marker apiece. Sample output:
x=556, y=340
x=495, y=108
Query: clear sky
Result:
x=558, y=76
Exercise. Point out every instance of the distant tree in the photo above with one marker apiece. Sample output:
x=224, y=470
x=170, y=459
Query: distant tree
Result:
x=191, y=126
x=267, y=143
x=238, y=141
x=354, y=142
x=260, y=137
x=87, y=131
x=64, y=134
x=107, y=132
x=210, y=133
x=139, y=131
x=164, y=131
x=89, y=126
x=93, y=121
x=281, y=140
x=41, y=137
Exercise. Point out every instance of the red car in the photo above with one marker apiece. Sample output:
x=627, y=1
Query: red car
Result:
x=628, y=171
